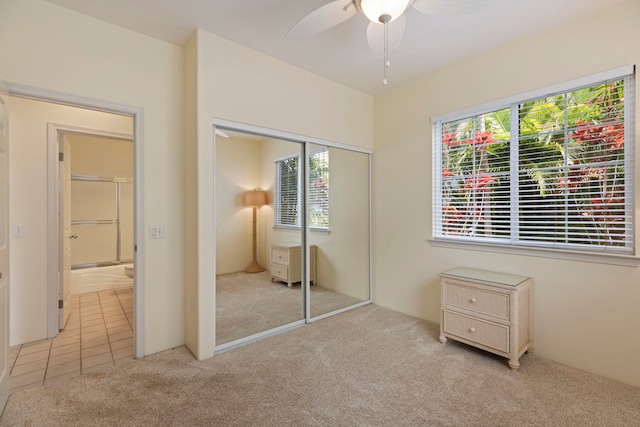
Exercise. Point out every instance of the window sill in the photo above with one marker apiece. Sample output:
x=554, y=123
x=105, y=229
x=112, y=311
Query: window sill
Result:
x=612, y=259
x=313, y=230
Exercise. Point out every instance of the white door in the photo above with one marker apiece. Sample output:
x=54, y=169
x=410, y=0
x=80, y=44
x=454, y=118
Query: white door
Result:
x=4, y=246
x=64, y=257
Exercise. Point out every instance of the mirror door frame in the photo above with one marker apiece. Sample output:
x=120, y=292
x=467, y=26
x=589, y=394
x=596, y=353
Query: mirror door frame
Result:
x=305, y=141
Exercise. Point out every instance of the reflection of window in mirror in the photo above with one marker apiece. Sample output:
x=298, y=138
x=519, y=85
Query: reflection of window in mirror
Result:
x=288, y=191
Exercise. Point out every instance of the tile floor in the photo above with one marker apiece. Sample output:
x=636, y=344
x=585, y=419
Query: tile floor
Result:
x=99, y=332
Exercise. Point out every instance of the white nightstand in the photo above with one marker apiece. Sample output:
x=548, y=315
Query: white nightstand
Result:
x=286, y=264
x=491, y=311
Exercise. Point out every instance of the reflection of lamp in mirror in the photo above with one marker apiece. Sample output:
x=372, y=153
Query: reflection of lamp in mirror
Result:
x=255, y=198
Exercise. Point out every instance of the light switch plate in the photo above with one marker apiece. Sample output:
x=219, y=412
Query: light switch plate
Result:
x=18, y=230
x=156, y=231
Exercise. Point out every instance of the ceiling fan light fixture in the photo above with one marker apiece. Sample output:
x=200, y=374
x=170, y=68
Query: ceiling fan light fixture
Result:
x=383, y=10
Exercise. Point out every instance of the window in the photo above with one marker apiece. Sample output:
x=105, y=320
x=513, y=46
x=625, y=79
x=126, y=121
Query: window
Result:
x=319, y=189
x=553, y=171
x=289, y=194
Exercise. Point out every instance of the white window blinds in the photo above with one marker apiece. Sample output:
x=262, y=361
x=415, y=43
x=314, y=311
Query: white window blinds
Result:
x=288, y=191
x=553, y=171
x=319, y=189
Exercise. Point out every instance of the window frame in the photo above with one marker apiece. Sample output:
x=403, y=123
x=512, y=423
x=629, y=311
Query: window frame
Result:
x=277, y=216
x=511, y=245
x=277, y=223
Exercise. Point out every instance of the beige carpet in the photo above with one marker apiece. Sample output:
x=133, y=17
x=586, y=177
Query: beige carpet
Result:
x=249, y=303
x=367, y=367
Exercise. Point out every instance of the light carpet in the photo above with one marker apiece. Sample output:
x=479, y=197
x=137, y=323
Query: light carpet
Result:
x=249, y=303
x=366, y=367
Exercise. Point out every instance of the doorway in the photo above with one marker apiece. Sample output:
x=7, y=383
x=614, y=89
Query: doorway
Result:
x=37, y=319
x=94, y=214
x=43, y=235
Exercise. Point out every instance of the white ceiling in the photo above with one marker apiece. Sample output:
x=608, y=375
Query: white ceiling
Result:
x=341, y=53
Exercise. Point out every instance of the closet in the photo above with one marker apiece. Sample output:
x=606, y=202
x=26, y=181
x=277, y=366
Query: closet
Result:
x=317, y=208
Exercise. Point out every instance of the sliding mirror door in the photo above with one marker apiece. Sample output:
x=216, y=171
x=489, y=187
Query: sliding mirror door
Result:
x=292, y=231
x=257, y=275
x=339, y=230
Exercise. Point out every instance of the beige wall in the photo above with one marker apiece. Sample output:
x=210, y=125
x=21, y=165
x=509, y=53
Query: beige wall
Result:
x=46, y=46
x=238, y=84
x=585, y=314
x=237, y=171
x=193, y=314
x=28, y=205
x=241, y=165
x=98, y=156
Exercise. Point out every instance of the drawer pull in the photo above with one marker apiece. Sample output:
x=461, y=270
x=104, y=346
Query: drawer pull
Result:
x=472, y=330
x=472, y=300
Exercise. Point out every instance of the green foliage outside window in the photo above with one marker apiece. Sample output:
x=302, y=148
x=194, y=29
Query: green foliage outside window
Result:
x=288, y=193
x=570, y=171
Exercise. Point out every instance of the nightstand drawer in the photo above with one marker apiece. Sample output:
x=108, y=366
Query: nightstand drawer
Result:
x=489, y=334
x=477, y=300
x=280, y=255
x=280, y=271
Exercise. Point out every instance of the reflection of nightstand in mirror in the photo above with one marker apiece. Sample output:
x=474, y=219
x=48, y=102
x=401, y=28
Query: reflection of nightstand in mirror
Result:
x=286, y=263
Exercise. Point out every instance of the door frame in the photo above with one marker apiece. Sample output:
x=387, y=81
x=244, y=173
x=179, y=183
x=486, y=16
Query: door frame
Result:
x=137, y=114
x=54, y=233
x=5, y=290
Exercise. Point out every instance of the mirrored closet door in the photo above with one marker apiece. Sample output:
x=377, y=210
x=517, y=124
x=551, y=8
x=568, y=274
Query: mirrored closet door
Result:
x=252, y=295
x=277, y=266
x=339, y=229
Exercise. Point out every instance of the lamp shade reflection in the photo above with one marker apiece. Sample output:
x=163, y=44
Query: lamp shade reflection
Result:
x=255, y=198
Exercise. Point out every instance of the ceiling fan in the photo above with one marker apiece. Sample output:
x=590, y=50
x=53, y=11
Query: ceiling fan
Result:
x=386, y=28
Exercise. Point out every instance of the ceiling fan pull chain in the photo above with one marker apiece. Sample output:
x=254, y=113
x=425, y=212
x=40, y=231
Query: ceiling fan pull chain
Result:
x=385, y=22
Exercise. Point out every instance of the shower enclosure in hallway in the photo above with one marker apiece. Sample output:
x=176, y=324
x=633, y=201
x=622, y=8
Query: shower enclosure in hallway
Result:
x=101, y=221
x=100, y=216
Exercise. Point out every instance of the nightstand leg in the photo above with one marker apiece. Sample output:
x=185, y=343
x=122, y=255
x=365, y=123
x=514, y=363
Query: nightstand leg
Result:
x=514, y=364
x=443, y=339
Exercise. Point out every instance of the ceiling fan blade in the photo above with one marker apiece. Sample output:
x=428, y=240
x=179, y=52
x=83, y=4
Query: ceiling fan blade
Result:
x=450, y=7
x=375, y=35
x=321, y=19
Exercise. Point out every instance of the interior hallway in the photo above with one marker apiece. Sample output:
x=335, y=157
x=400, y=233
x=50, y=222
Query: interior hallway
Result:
x=99, y=332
